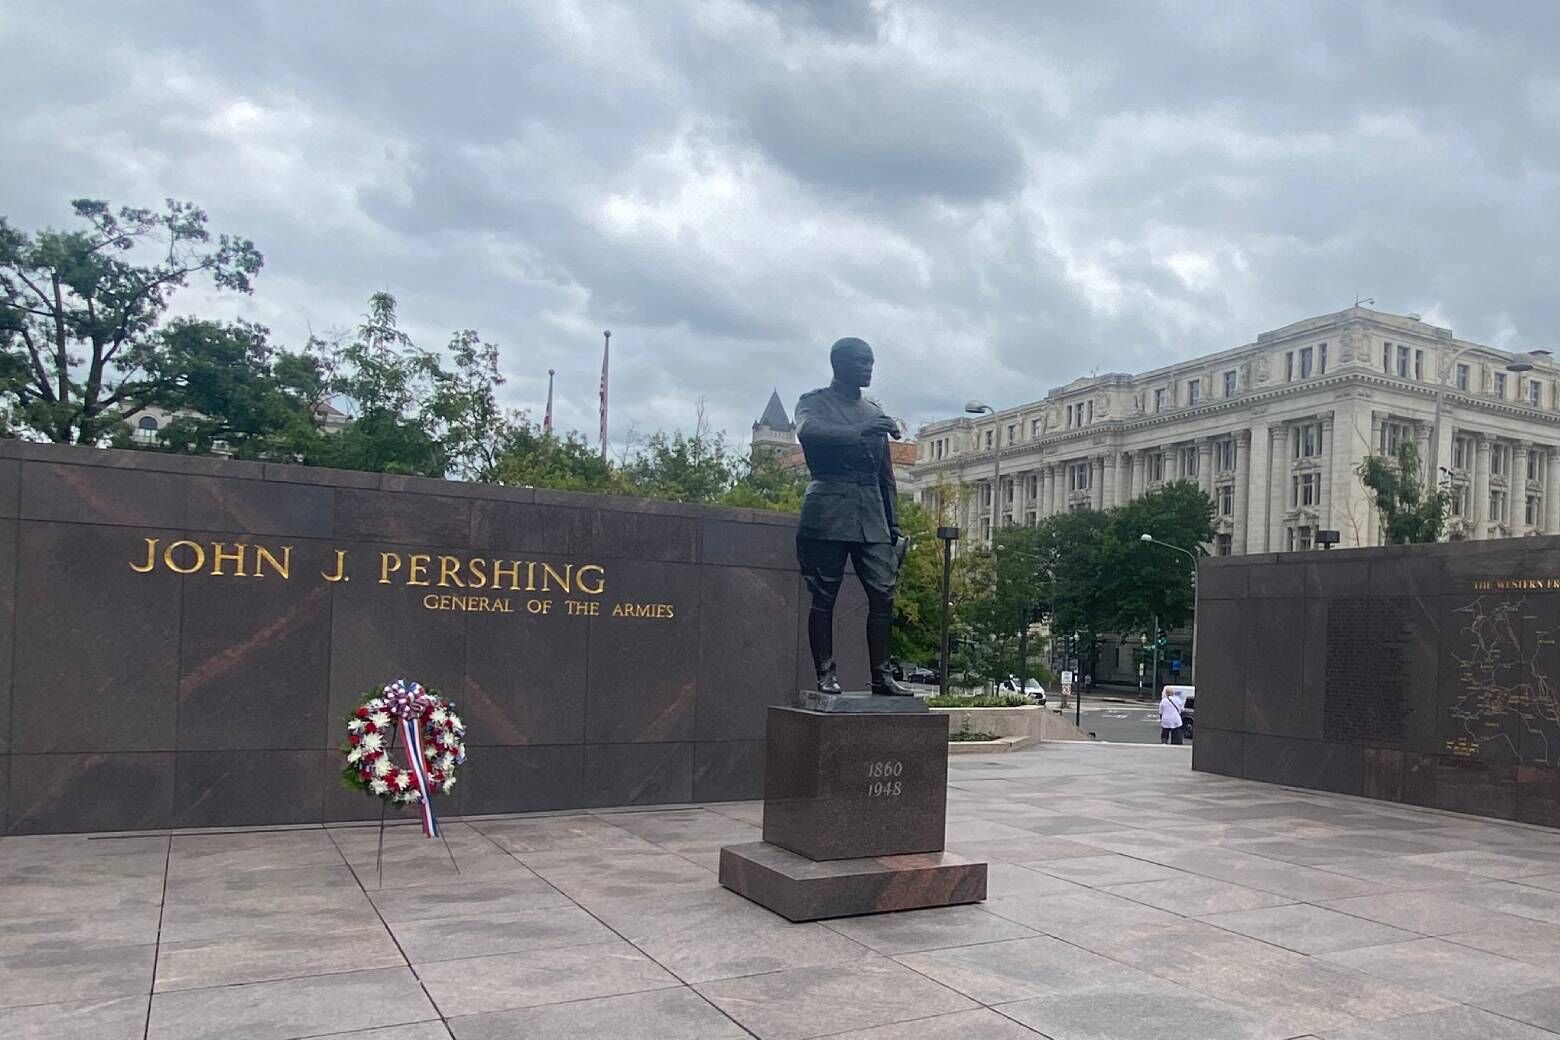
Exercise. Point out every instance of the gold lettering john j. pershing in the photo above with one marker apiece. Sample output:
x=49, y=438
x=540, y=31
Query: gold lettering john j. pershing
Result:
x=222, y=559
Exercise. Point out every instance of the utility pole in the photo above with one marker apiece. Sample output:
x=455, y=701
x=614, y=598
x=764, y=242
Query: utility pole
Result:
x=1023, y=647
x=947, y=535
x=1153, y=686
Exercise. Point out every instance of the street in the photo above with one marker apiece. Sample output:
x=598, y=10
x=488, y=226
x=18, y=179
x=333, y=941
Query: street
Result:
x=1114, y=716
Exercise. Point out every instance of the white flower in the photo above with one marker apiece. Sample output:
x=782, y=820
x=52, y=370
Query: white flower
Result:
x=403, y=780
x=429, y=751
x=439, y=715
x=372, y=742
x=456, y=723
x=380, y=719
x=354, y=725
x=379, y=787
x=355, y=754
x=449, y=782
x=446, y=762
x=381, y=766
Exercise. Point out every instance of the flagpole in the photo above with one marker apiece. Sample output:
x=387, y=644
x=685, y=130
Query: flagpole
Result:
x=547, y=418
x=606, y=351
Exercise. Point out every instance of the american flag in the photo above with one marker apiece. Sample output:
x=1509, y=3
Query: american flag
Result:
x=606, y=350
x=547, y=418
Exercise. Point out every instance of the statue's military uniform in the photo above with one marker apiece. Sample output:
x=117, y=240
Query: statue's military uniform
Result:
x=850, y=511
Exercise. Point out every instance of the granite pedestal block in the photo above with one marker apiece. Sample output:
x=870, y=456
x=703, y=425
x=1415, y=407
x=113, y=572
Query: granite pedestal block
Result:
x=859, y=703
x=801, y=889
x=849, y=786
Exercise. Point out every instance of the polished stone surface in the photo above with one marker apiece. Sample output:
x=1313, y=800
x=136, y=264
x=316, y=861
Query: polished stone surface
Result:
x=801, y=889
x=858, y=702
x=852, y=786
x=1112, y=912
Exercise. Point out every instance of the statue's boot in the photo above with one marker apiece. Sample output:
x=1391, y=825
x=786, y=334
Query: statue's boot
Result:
x=880, y=628
x=820, y=637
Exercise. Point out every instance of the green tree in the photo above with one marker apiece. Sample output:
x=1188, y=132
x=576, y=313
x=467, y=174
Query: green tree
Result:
x=1410, y=512
x=80, y=314
x=1140, y=581
x=763, y=483
x=917, y=614
x=684, y=467
x=530, y=458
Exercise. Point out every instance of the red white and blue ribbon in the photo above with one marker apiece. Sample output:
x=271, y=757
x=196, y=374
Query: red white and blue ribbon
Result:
x=408, y=702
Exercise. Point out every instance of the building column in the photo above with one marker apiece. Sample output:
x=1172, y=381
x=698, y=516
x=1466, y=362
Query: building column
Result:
x=1097, y=483
x=1324, y=508
x=1516, y=487
x=1140, y=474
x=1552, y=490
x=1043, y=490
x=1278, y=487
x=1253, y=487
x=1205, y=466
x=1479, y=508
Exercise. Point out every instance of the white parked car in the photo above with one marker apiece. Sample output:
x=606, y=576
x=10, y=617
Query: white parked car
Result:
x=1032, y=688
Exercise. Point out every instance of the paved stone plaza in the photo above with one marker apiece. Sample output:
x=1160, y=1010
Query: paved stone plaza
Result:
x=1130, y=897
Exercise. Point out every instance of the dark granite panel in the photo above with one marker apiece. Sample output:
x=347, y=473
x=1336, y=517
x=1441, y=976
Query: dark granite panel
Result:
x=1365, y=670
x=728, y=770
x=109, y=792
x=254, y=659
x=1221, y=579
x=1219, y=751
x=525, y=527
x=5, y=792
x=99, y=495
x=1403, y=573
x=1419, y=772
x=380, y=633
x=1221, y=668
x=256, y=507
x=8, y=535
x=522, y=779
x=331, y=478
x=526, y=677
x=840, y=786
x=1280, y=580
x=1467, y=786
x=1340, y=576
x=638, y=774
x=799, y=889
x=1315, y=764
x=97, y=643
x=10, y=488
x=1383, y=774
x=639, y=536
x=1422, y=667
x=403, y=519
x=1274, y=666
x=1538, y=795
x=850, y=637
x=221, y=789
x=1486, y=699
x=743, y=667
x=643, y=679
x=728, y=543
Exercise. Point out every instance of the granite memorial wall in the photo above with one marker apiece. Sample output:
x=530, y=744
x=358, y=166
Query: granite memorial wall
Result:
x=1425, y=674
x=183, y=638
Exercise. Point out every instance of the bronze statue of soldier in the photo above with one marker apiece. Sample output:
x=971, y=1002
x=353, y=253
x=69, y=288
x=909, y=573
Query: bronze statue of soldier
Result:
x=850, y=511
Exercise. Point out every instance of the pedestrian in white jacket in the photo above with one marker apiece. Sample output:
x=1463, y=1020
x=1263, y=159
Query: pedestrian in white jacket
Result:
x=1169, y=718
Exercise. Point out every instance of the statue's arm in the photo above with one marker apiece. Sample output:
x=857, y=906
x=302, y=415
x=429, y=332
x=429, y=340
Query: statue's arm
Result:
x=815, y=430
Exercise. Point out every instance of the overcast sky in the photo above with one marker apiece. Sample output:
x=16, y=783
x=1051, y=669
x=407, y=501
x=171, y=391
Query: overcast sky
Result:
x=998, y=196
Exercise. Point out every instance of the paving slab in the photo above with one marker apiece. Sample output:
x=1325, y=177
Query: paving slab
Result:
x=666, y=1014
x=292, y=1008
x=475, y=985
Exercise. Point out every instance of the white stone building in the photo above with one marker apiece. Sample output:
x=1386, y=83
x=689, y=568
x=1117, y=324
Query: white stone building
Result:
x=1274, y=432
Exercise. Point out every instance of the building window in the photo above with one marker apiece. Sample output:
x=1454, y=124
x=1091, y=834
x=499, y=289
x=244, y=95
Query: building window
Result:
x=1226, y=497
x=1535, y=393
x=1307, y=356
x=1229, y=384
x=1321, y=359
x=1078, y=476
x=1498, y=466
x=1402, y=361
x=1156, y=467
x=1224, y=544
x=1392, y=435
x=1386, y=358
x=1194, y=392
x=1007, y=492
x=1531, y=516
x=1462, y=451
x=1462, y=377
x=1419, y=364
x=1012, y=433
x=1029, y=518
x=1159, y=400
x=1302, y=490
x=1459, y=503
x=1091, y=413
x=1299, y=538
x=988, y=438
x=1034, y=429
x=1532, y=465
x=985, y=528
x=1224, y=452
x=1289, y=367
x=1500, y=385
x=985, y=495
x=1498, y=507
x=1189, y=462
x=1308, y=441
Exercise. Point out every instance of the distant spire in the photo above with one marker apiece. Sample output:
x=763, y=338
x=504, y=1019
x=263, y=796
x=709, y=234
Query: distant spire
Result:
x=774, y=416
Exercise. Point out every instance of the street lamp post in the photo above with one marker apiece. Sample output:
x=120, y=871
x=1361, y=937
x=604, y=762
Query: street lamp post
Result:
x=977, y=408
x=948, y=536
x=1150, y=539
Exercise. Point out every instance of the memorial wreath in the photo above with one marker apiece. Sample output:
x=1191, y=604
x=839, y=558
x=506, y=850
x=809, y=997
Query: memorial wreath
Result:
x=432, y=734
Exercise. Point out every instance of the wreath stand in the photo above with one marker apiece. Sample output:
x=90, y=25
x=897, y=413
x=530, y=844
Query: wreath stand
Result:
x=384, y=806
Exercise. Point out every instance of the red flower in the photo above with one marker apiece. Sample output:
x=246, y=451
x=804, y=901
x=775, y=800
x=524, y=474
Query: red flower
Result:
x=362, y=713
x=354, y=740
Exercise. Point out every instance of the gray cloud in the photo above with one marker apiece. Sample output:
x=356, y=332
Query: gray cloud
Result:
x=1000, y=196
